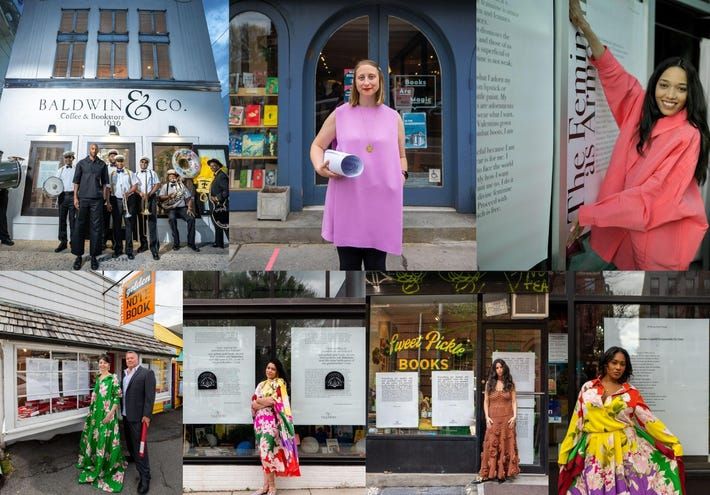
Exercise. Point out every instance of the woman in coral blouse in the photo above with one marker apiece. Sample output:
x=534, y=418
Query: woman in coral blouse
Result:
x=273, y=428
x=614, y=443
x=649, y=214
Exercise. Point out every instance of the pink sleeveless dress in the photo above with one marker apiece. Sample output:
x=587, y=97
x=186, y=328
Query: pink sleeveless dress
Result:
x=366, y=211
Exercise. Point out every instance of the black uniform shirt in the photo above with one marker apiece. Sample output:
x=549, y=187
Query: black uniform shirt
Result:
x=92, y=177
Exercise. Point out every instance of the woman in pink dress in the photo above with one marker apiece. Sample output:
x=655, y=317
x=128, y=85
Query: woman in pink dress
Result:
x=649, y=214
x=363, y=215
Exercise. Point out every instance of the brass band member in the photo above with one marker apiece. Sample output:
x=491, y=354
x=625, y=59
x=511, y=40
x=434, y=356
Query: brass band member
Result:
x=65, y=201
x=219, y=195
x=178, y=201
x=148, y=185
x=90, y=187
x=123, y=184
x=108, y=227
x=4, y=233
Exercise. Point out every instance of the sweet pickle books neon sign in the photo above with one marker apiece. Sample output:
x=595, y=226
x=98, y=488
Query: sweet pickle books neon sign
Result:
x=431, y=341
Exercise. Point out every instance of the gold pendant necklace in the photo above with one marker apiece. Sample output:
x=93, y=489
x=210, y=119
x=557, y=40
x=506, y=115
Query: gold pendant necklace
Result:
x=369, y=148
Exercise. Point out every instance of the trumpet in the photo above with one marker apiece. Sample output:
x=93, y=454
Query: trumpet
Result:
x=126, y=213
x=144, y=205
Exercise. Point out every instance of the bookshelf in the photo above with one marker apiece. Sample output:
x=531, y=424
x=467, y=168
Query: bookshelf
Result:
x=253, y=130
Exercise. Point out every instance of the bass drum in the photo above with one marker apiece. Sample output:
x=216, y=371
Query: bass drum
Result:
x=10, y=174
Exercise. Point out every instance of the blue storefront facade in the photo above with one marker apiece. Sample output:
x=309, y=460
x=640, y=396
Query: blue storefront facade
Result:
x=297, y=57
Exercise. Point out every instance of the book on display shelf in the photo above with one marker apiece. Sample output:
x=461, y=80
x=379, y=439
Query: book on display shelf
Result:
x=253, y=144
x=272, y=86
x=270, y=143
x=243, y=178
x=248, y=79
x=234, y=82
x=236, y=115
x=270, y=175
x=271, y=115
x=257, y=177
x=259, y=78
x=235, y=144
x=253, y=115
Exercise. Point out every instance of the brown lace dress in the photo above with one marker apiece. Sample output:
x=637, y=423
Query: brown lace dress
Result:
x=499, y=458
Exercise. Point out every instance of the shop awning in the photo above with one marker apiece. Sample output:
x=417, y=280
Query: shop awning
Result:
x=22, y=323
x=164, y=335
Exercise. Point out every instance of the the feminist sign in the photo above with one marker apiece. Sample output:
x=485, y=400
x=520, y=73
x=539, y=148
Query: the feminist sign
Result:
x=138, y=297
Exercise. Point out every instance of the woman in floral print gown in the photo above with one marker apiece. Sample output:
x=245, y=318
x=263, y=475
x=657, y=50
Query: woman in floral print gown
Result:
x=273, y=428
x=614, y=444
x=101, y=459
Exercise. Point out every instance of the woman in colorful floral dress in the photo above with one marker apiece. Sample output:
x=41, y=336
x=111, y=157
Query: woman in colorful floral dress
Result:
x=499, y=458
x=101, y=459
x=273, y=428
x=614, y=444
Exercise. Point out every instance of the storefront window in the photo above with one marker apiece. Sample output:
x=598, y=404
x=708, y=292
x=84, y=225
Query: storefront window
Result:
x=415, y=85
x=432, y=339
x=163, y=157
x=332, y=438
x=112, y=62
x=128, y=150
x=254, y=102
x=45, y=160
x=334, y=70
x=152, y=21
x=161, y=369
x=50, y=382
x=112, y=21
x=643, y=283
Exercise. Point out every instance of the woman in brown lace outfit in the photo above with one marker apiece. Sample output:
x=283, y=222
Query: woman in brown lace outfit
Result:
x=499, y=459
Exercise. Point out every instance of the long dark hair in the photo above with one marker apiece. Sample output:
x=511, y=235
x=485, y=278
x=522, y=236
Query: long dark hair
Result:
x=508, y=384
x=695, y=104
x=280, y=370
x=608, y=356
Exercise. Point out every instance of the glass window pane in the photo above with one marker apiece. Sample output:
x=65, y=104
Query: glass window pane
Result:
x=419, y=325
x=415, y=76
x=161, y=369
x=66, y=25
x=106, y=21
x=343, y=50
x=145, y=20
x=82, y=21
x=120, y=21
x=77, y=60
x=45, y=159
x=160, y=25
x=299, y=284
x=32, y=408
x=61, y=60
x=617, y=283
x=103, y=70
x=163, y=156
x=120, y=65
x=147, y=69
x=243, y=285
x=253, y=62
x=164, y=69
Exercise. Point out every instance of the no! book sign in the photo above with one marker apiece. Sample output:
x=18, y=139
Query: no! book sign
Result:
x=138, y=297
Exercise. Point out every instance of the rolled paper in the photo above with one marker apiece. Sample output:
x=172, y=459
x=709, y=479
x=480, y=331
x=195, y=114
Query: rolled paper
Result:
x=344, y=164
x=144, y=439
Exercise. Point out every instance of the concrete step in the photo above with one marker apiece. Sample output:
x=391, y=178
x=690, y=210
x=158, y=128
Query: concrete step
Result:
x=452, y=484
x=305, y=227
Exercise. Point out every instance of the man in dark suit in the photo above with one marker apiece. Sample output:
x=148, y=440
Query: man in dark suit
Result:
x=136, y=409
x=219, y=194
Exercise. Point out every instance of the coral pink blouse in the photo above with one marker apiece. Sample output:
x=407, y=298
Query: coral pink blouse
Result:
x=649, y=214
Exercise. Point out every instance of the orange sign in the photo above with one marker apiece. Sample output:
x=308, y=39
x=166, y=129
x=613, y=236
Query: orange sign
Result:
x=138, y=297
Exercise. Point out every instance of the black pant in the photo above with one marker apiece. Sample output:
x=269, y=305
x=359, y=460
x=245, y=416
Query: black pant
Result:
x=173, y=215
x=119, y=233
x=220, y=233
x=90, y=215
x=132, y=432
x=67, y=211
x=352, y=258
x=151, y=228
x=4, y=234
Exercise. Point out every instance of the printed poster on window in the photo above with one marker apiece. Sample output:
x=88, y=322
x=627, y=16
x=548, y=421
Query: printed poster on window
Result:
x=218, y=374
x=663, y=352
x=47, y=169
x=42, y=378
x=414, y=130
x=397, y=399
x=522, y=368
x=75, y=379
x=328, y=375
x=452, y=398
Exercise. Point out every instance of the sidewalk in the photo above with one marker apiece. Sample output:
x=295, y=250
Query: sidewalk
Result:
x=43, y=468
x=443, y=256
x=40, y=255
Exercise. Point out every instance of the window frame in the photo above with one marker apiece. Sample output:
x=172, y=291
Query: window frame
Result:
x=113, y=44
x=113, y=21
x=71, y=38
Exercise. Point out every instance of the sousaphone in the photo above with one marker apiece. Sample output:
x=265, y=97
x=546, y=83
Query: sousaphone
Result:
x=186, y=163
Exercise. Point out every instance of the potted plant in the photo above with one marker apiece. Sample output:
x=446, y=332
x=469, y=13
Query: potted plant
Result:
x=273, y=203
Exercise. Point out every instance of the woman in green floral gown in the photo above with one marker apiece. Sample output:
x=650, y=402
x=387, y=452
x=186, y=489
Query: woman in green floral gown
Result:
x=101, y=459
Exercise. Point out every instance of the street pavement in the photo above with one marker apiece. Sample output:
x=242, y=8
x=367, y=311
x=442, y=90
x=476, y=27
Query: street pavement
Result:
x=442, y=256
x=47, y=468
x=40, y=255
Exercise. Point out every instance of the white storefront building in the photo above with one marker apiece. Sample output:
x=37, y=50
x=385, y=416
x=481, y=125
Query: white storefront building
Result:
x=53, y=328
x=138, y=76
